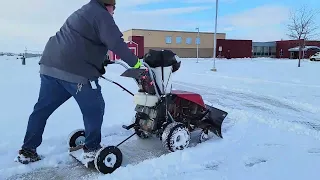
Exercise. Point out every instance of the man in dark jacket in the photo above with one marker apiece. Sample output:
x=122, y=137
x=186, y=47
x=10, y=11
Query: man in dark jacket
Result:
x=70, y=66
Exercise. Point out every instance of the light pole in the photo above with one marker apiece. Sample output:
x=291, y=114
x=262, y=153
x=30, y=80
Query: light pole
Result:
x=197, y=41
x=215, y=40
x=24, y=57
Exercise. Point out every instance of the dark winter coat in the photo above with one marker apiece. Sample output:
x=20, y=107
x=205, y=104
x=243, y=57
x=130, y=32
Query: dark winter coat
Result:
x=77, y=51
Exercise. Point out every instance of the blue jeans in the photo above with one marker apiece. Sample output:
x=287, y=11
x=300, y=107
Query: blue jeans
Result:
x=53, y=93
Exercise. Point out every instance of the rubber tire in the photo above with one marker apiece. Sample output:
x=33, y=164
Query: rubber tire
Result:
x=167, y=136
x=74, y=135
x=101, y=155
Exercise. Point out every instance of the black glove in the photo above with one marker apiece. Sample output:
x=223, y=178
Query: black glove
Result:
x=107, y=62
x=102, y=70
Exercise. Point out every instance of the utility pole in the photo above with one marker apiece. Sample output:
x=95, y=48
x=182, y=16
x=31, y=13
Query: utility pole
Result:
x=198, y=41
x=215, y=40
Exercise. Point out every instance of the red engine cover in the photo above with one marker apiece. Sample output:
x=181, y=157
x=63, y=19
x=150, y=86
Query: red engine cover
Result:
x=190, y=96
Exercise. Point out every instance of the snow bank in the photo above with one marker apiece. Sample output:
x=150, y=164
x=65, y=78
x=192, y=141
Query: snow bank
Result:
x=271, y=132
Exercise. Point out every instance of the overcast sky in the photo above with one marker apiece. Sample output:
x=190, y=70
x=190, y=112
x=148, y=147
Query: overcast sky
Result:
x=29, y=23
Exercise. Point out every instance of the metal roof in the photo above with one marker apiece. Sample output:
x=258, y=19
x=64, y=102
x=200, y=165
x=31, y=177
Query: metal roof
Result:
x=306, y=48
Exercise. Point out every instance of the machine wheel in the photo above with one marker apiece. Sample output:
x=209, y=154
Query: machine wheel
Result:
x=175, y=137
x=206, y=135
x=108, y=159
x=164, y=125
x=77, y=138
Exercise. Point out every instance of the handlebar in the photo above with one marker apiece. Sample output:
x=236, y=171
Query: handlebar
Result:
x=126, y=66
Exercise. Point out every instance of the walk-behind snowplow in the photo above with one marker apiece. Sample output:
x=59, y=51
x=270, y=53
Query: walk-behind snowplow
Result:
x=170, y=115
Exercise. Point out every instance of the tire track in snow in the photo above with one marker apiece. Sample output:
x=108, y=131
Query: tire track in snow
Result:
x=220, y=94
x=247, y=79
x=266, y=108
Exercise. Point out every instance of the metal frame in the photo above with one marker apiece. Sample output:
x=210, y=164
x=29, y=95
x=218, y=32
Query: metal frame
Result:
x=159, y=95
x=126, y=66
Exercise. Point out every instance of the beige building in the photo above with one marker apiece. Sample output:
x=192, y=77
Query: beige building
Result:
x=183, y=43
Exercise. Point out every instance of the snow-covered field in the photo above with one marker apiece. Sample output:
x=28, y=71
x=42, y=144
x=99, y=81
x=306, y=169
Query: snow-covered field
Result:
x=271, y=132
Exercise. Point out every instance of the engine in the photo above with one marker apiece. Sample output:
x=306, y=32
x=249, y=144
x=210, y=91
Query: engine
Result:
x=149, y=118
x=154, y=82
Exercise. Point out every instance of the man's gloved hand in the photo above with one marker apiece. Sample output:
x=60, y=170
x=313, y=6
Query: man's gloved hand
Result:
x=138, y=64
x=102, y=70
x=107, y=62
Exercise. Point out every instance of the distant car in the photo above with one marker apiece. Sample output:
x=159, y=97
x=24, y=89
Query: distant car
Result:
x=315, y=57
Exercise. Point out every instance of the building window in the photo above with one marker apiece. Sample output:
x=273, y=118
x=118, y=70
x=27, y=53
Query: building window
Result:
x=178, y=40
x=198, y=40
x=254, y=49
x=168, y=40
x=259, y=51
x=188, y=40
x=266, y=51
x=281, y=52
x=273, y=51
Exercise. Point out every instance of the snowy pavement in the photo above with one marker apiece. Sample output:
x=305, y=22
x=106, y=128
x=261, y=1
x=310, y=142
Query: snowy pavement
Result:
x=272, y=130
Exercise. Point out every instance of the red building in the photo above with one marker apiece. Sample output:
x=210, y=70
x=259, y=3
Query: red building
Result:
x=133, y=46
x=230, y=48
x=290, y=48
x=140, y=41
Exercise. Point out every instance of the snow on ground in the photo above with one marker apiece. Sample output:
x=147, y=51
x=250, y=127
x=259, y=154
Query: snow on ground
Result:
x=271, y=131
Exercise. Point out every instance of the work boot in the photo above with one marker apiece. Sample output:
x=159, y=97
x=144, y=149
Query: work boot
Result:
x=26, y=156
x=89, y=155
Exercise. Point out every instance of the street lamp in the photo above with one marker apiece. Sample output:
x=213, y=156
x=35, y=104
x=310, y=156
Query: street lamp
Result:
x=197, y=42
x=215, y=40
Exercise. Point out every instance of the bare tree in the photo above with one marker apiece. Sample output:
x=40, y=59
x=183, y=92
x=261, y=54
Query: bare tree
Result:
x=302, y=26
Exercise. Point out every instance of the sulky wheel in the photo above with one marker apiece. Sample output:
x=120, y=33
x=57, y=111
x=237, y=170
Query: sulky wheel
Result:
x=175, y=137
x=205, y=135
x=76, y=138
x=108, y=159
